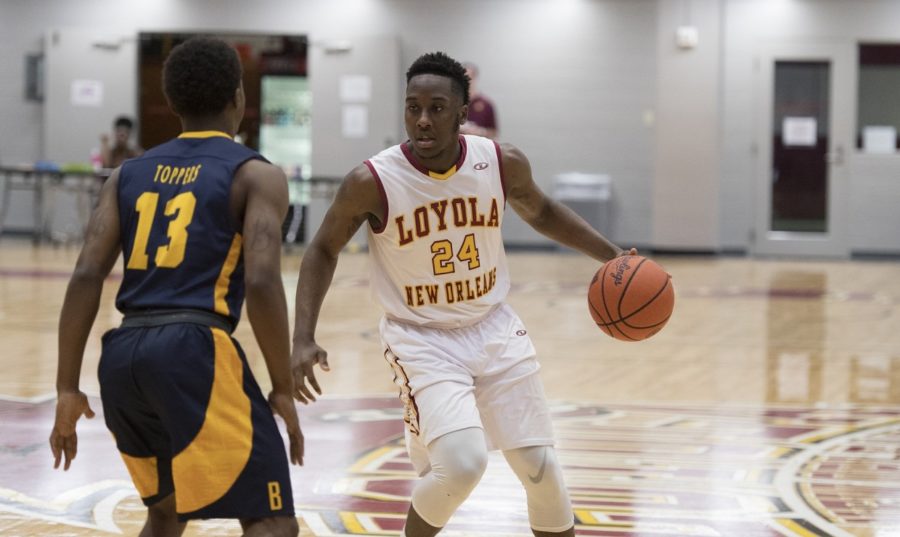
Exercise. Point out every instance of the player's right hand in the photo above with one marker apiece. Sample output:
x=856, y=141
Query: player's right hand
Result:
x=304, y=357
x=283, y=405
x=70, y=406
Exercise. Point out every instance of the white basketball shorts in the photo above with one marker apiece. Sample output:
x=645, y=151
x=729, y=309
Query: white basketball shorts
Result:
x=484, y=375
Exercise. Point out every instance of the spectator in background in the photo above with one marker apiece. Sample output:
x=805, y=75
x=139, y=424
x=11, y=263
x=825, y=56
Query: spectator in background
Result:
x=121, y=150
x=482, y=119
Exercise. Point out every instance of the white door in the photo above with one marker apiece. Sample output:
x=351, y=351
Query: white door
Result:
x=356, y=89
x=805, y=116
x=356, y=100
x=90, y=80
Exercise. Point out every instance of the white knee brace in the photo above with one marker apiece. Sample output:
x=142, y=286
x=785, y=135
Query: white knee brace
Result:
x=549, y=508
x=458, y=460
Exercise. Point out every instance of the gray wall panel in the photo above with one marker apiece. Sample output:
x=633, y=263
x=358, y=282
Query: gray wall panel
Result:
x=571, y=80
x=574, y=82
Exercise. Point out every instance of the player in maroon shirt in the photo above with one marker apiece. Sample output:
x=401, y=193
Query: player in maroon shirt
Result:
x=482, y=119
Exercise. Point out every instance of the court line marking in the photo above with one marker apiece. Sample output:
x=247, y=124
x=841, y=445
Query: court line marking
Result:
x=788, y=478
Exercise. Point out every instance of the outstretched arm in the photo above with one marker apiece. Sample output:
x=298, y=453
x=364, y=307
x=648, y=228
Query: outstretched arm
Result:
x=99, y=253
x=266, y=207
x=548, y=216
x=357, y=200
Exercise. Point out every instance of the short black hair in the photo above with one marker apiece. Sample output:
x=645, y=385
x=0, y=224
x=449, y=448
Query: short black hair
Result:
x=200, y=76
x=438, y=63
x=123, y=121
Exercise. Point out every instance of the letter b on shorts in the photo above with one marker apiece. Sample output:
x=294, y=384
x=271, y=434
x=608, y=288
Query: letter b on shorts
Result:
x=275, y=496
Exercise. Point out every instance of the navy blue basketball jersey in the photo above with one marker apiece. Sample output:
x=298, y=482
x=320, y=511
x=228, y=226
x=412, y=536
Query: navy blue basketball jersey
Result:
x=181, y=247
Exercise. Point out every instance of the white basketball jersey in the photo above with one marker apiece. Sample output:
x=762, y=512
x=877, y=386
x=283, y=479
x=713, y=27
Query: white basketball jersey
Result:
x=439, y=259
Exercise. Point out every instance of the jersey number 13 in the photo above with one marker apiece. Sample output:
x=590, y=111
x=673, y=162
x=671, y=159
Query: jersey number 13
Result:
x=170, y=255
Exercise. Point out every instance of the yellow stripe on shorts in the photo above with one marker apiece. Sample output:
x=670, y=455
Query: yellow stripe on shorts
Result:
x=144, y=474
x=208, y=467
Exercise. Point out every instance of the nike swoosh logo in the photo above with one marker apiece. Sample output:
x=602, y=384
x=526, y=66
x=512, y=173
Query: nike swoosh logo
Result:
x=540, y=475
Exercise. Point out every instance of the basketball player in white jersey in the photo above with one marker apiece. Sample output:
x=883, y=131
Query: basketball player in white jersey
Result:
x=462, y=359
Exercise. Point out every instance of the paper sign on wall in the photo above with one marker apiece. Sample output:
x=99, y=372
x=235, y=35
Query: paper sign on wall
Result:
x=356, y=88
x=880, y=139
x=87, y=93
x=355, y=121
x=798, y=131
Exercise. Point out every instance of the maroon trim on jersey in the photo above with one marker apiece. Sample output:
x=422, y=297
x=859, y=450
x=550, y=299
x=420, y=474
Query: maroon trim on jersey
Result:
x=407, y=152
x=463, y=151
x=384, y=198
x=412, y=408
x=500, y=165
x=411, y=157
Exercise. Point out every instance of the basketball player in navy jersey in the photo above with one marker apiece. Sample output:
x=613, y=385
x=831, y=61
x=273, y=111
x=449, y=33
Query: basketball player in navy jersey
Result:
x=198, y=221
x=462, y=359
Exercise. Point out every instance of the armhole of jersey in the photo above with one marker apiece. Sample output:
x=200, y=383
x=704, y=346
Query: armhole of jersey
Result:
x=122, y=220
x=463, y=151
x=500, y=167
x=247, y=159
x=238, y=166
x=384, y=198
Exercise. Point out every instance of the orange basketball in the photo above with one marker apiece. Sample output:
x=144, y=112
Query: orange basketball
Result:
x=631, y=298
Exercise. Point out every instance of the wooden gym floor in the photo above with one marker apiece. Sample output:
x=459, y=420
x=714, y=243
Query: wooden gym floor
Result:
x=769, y=406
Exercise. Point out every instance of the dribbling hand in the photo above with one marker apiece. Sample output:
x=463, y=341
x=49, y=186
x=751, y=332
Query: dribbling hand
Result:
x=303, y=359
x=70, y=407
x=283, y=405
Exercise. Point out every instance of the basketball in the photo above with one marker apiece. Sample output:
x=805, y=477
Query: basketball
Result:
x=631, y=298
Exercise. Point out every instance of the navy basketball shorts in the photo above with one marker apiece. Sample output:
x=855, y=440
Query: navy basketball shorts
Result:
x=189, y=419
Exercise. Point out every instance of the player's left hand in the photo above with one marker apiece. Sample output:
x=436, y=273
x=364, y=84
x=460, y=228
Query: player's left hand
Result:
x=283, y=405
x=630, y=251
x=70, y=406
